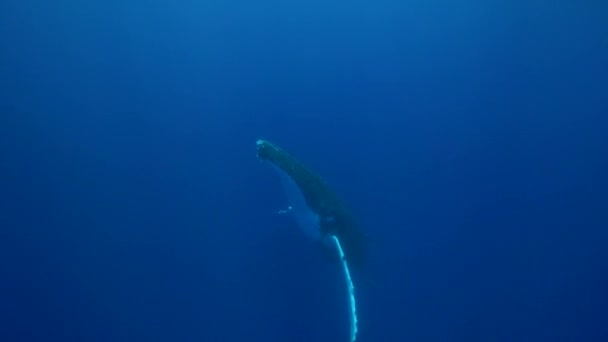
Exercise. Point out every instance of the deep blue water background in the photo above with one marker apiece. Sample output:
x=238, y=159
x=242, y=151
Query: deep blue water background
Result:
x=470, y=139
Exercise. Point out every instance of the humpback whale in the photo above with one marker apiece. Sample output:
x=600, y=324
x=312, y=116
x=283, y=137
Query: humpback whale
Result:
x=320, y=214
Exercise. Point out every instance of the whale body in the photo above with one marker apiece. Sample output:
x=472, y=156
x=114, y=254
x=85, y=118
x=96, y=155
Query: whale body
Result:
x=334, y=218
x=320, y=214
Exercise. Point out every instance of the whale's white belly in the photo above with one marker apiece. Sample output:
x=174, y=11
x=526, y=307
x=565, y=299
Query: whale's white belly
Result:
x=306, y=218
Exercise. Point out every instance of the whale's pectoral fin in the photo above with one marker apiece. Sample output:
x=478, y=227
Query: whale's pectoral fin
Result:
x=350, y=289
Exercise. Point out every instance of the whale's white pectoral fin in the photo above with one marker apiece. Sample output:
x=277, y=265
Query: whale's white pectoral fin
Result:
x=350, y=289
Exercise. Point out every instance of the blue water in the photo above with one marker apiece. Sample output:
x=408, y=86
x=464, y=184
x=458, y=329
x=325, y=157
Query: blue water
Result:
x=468, y=137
